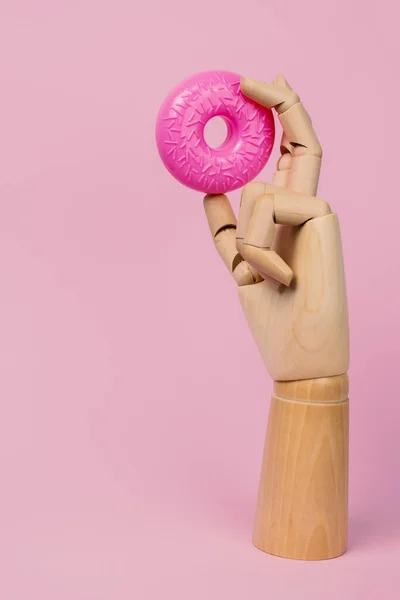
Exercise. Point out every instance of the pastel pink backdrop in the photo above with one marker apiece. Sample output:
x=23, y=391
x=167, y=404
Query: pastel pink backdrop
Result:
x=133, y=399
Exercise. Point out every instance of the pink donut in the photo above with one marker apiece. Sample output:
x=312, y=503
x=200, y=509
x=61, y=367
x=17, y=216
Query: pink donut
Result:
x=180, y=133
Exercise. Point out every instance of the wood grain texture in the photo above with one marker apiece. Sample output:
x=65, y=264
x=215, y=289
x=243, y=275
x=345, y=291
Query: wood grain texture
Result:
x=298, y=317
x=302, y=502
x=302, y=331
x=324, y=389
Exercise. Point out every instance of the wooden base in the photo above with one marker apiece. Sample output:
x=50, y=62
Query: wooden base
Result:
x=302, y=502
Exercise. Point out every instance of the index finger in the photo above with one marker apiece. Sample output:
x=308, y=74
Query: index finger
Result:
x=297, y=127
x=293, y=116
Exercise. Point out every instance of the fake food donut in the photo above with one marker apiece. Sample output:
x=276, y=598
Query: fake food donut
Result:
x=180, y=133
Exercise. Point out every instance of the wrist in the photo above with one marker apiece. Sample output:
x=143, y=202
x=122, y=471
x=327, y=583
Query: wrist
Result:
x=322, y=389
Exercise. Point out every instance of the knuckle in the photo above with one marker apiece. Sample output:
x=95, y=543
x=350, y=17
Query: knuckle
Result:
x=239, y=245
x=284, y=162
x=290, y=99
x=324, y=208
x=293, y=98
x=253, y=188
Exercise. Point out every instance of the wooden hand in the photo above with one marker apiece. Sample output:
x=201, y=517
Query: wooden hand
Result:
x=285, y=254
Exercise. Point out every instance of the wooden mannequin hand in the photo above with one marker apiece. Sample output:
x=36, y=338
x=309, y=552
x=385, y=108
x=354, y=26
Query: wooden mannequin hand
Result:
x=285, y=252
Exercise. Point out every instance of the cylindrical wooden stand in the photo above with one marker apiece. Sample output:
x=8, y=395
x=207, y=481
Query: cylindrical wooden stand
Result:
x=302, y=500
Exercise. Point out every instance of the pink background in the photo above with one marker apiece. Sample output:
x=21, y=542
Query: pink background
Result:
x=133, y=399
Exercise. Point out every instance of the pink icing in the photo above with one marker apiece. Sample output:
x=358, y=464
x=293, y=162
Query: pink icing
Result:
x=180, y=133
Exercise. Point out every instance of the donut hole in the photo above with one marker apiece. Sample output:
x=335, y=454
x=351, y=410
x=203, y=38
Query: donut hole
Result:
x=216, y=132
